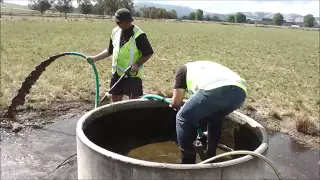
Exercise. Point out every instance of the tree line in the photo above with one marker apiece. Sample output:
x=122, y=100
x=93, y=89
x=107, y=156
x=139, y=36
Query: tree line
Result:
x=109, y=7
x=308, y=20
x=98, y=7
x=156, y=13
x=277, y=19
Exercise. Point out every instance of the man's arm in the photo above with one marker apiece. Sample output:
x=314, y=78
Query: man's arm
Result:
x=144, y=59
x=178, y=96
x=179, y=88
x=104, y=54
x=145, y=47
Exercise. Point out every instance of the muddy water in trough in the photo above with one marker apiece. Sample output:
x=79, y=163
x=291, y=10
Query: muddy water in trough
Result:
x=35, y=154
x=163, y=152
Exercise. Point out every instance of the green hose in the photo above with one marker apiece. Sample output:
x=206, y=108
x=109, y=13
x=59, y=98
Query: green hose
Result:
x=157, y=97
x=96, y=103
x=244, y=153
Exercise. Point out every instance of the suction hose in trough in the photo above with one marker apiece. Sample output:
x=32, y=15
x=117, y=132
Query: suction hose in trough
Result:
x=19, y=99
x=157, y=97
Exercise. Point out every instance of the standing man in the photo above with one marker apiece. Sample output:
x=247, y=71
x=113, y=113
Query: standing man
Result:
x=216, y=92
x=128, y=45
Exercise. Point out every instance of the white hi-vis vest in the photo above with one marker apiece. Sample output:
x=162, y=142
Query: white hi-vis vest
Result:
x=127, y=55
x=207, y=75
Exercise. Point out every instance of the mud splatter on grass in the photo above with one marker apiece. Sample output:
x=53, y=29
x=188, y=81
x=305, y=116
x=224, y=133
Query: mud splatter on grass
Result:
x=37, y=117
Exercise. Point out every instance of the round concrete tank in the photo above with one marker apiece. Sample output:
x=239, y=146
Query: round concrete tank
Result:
x=104, y=135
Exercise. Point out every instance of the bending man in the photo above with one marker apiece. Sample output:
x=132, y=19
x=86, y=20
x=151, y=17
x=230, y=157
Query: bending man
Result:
x=128, y=45
x=216, y=92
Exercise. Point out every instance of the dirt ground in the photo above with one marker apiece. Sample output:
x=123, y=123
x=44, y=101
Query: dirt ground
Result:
x=38, y=117
x=284, y=125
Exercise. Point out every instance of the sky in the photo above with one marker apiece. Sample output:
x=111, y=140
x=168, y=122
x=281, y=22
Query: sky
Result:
x=229, y=6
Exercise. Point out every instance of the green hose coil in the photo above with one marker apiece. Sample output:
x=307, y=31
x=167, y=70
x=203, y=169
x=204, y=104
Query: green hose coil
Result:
x=96, y=103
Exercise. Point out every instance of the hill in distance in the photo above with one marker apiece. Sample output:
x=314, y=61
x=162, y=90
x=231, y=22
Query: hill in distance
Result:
x=181, y=11
x=10, y=7
x=185, y=11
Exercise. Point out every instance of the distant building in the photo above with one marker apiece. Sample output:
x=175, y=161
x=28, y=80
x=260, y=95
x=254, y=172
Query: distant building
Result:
x=299, y=20
x=249, y=21
x=317, y=24
x=285, y=23
x=266, y=21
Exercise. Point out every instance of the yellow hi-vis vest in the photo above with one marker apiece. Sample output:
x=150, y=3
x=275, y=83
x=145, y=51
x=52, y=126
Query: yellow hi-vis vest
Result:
x=207, y=75
x=127, y=55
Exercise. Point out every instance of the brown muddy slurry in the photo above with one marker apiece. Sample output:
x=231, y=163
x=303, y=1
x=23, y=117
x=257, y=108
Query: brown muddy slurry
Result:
x=163, y=152
x=36, y=154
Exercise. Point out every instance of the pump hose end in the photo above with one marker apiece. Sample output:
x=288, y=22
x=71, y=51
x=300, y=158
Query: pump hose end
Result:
x=243, y=152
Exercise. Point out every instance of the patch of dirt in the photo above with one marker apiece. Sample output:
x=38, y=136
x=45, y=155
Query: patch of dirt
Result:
x=38, y=117
x=289, y=127
x=285, y=124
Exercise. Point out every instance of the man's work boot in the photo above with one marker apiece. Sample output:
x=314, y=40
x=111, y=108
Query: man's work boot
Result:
x=188, y=157
x=211, y=152
x=200, y=147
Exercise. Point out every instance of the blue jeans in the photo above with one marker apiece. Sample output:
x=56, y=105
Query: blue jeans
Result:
x=212, y=106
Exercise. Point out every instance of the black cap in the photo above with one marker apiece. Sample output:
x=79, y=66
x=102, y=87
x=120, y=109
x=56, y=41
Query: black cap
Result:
x=122, y=14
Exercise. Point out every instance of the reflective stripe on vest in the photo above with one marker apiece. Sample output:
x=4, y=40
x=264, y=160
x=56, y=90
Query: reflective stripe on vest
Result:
x=206, y=75
x=122, y=58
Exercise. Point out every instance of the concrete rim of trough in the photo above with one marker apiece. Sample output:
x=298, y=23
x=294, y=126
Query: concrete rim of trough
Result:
x=82, y=137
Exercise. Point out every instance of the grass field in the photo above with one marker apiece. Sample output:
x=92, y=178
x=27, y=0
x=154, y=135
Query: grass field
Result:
x=281, y=66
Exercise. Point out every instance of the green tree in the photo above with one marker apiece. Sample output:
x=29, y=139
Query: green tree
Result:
x=309, y=20
x=199, y=15
x=158, y=13
x=231, y=18
x=278, y=19
x=114, y=5
x=40, y=5
x=64, y=6
x=192, y=16
x=173, y=14
x=208, y=18
x=215, y=18
x=153, y=12
x=145, y=13
x=128, y=4
x=240, y=18
x=162, y=13
x=86, y=7
x=100, y=8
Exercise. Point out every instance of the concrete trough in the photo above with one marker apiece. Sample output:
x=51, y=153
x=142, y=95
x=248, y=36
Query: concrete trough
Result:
x=103, y=142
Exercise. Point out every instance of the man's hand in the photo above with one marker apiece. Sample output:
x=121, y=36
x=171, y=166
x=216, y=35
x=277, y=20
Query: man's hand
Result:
x=178, y=96
x=92, y=58
x=175, y=108
x=98, y=57
x=135, y=67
